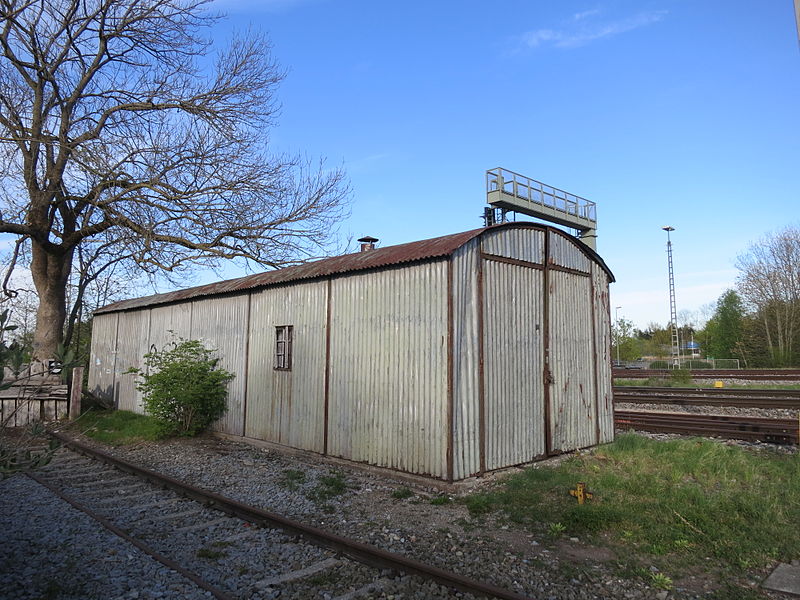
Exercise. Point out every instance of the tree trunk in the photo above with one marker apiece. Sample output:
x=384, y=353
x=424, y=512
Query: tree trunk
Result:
x=50, y=272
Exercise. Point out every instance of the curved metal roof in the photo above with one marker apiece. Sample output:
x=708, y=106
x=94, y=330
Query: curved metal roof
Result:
x=360, y=261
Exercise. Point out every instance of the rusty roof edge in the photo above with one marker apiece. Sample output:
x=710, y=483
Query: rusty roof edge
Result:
x=400, y=254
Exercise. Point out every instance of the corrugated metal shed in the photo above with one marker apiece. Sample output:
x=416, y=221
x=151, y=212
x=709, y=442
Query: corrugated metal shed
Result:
x=446, y=357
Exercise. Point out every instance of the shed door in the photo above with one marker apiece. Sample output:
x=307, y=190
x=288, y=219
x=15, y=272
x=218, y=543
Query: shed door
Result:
x=573, y=421
x=513, y=364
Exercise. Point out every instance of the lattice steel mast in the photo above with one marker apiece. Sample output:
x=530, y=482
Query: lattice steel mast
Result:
x=673, y=311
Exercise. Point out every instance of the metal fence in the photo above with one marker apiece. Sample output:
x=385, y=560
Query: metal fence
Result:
x=695, y=364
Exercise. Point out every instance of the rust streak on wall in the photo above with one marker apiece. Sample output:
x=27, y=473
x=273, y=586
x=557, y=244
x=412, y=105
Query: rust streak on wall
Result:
x=246, y=362
x=481, y=379
x=450, y=370
x=547, y=377
x=596, y=366
x=327, y=368
x=512, y=261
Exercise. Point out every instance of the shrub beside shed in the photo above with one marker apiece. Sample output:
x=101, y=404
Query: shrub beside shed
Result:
x=447, y=357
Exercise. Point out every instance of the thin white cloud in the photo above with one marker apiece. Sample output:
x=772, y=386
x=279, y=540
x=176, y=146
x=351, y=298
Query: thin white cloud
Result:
x=588, y=30
x=586, y=13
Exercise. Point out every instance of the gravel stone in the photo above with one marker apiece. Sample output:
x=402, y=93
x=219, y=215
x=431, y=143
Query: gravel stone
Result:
x=445, y=536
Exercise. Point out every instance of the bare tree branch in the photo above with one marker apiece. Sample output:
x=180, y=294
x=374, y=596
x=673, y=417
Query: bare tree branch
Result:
x=114, y=127
x=769, y=282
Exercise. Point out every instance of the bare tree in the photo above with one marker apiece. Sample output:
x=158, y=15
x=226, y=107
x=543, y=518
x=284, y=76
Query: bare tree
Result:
x=769, y=283
x=116, y=121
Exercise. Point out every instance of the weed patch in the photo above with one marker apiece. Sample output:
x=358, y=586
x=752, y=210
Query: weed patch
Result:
x=402, y=493
x=117, y=427
x=293, y=478
x=327, y=487
x=684, y=500
x=211, y=554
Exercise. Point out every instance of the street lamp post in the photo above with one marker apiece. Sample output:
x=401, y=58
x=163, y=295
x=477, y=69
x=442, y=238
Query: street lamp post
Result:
x=616, y=318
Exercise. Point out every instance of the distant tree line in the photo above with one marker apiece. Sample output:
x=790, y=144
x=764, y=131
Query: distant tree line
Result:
x=757, y=322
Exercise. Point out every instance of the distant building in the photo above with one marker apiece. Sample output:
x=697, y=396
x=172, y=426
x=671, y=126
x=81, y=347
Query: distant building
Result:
x=692, y=348
x=447, y=357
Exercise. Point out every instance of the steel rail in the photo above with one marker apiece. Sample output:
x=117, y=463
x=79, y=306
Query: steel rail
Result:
x=785, y=399
x=364, y=553
x=167, y=562
x=779, y=431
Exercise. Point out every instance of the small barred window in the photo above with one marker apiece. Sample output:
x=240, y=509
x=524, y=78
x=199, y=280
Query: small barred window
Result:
x=283, y=347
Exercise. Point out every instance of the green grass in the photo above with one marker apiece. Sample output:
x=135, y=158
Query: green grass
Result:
x=117, y=427
x=655, y=382
x=328, y=487
x=211, y=554
x=681, y=500
x=293, y=478
x=402, y=493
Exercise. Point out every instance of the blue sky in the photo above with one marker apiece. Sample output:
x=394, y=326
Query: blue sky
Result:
x=679, y=113
x=662, y=112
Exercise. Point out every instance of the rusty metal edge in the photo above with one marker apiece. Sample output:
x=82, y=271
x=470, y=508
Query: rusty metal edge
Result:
x=481, y=357
x=546, y=375
x=170, y=564
x=327, y=383
x=512, y=261
x=358, y=551
x=595, y=371
x=246, y=364
x=450, y=366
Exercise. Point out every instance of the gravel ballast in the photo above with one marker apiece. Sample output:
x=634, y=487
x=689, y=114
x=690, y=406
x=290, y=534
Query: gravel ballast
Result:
x=52, y=550
x=362, y=506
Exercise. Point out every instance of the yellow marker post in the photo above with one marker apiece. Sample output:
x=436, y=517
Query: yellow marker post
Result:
x=581, y=494
x=718, y=384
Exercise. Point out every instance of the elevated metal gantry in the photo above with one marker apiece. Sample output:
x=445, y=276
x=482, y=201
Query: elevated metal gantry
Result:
x=512, y=191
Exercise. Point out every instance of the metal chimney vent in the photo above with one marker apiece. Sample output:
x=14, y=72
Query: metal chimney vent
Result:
x=367, y=243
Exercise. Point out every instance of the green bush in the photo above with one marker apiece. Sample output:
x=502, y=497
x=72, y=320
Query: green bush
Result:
x=659, y=364
x=183, y=388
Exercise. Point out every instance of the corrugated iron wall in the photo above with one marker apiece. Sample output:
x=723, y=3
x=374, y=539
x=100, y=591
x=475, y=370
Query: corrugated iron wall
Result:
x=222, y=323
x=513, y=364
x=168, y=324
x=288, y=407
x=565, y=253
x=133, y=333
x=388, y=368
x=572, y=391
x=521, y=244
x=466, y=384
x=602, y=316
x=102, y=355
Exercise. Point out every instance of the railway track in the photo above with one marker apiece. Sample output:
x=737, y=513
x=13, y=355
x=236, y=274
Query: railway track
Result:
x=746, y=374
x=229, y=549
x=786, y=399
x=776, y=431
